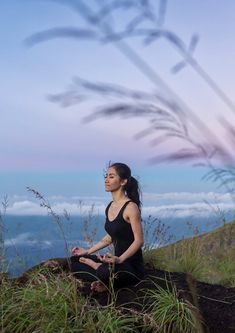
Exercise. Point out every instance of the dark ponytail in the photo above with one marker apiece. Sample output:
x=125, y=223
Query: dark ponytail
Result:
x=132, y=187
x=133, y=191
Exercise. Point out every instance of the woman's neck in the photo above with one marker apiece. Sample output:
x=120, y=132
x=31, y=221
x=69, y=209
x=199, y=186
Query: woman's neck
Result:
x=119, y=197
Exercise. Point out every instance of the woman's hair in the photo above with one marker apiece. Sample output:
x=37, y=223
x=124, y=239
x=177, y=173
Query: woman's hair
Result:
x=131, y=188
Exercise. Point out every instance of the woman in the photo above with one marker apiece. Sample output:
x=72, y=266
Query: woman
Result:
x=124, y=231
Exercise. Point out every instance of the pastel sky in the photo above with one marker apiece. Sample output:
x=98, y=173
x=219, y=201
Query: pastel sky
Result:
x=49, y=147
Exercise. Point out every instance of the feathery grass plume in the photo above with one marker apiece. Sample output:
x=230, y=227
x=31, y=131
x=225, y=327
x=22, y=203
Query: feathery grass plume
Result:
x=225, y=176
x=146, y=21
x=5, y=203
x=89, y=230
x=55, y=217
x=155, y=233
x=156, y=236
x=143, y=13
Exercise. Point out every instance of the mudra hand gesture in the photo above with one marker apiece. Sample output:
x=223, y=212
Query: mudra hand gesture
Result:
x=109, y=258
x=79, y=251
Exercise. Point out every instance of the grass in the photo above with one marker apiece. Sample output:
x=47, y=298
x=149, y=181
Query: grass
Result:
x=46, y=303
x=50, y=303
x=226, y=270
x=209, y=257
x=172, y=315
x=110, y=320
x=53, y=303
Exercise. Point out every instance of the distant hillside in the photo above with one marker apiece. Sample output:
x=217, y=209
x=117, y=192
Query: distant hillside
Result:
x=220, y=239
x=209, y=257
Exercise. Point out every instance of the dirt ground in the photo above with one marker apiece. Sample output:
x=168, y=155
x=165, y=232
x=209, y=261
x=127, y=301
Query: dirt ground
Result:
x=216, y=303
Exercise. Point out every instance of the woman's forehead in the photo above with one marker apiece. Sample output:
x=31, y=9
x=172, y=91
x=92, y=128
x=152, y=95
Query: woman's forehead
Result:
x=111, y=170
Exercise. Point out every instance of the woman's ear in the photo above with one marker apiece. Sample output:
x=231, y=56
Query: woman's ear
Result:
x=124, y=182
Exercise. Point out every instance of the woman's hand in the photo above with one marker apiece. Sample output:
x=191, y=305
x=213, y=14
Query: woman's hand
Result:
x=109, y=258
x=79, y=251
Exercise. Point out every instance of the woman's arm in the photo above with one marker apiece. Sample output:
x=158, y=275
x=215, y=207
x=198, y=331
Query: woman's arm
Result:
x=104, y=242
x=132, y=215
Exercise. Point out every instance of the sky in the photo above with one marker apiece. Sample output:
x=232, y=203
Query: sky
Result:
x=50, y=148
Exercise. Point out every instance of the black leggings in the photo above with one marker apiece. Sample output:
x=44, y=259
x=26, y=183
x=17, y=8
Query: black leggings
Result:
x=124, y=274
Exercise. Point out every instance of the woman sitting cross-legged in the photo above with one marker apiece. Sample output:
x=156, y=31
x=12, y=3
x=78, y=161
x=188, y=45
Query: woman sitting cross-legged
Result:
x=124, y=231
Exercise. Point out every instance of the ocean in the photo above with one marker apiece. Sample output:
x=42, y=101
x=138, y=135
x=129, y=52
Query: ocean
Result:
x=29, y=240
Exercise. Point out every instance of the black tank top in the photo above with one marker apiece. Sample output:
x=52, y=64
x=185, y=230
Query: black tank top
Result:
x=122, y=235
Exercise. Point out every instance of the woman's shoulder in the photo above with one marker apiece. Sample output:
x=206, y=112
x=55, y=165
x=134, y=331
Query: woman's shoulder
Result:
x=131, y=203
x=132, y=207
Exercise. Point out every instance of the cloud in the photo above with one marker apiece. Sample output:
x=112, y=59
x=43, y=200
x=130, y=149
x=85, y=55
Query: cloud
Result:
x=197, y=209
x=162, y=205
x=27, y=207
x=26, y=239
x=184, y=197
x=74, y=209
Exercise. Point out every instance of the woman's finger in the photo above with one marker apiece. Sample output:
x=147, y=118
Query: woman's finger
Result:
x=108, y=255
x=99, y=257
x=106, y=259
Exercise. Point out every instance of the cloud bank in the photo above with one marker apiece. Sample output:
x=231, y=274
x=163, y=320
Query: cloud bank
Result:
x=26, y=239
x=175, y=204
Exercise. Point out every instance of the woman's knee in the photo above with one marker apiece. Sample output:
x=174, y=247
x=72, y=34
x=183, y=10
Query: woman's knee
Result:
x=103, y=272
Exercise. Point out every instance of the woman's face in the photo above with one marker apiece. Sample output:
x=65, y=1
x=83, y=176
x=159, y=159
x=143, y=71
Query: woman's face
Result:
x=112, y=180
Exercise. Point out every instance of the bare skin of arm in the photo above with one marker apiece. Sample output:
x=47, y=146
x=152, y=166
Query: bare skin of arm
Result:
x=104, y=242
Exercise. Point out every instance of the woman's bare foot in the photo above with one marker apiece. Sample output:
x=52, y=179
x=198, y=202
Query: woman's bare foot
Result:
x=90, y=262
x=98, y=287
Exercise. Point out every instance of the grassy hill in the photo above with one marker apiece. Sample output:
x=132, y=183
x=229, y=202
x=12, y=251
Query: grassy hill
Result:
x=209, y=257
x=48, y=298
